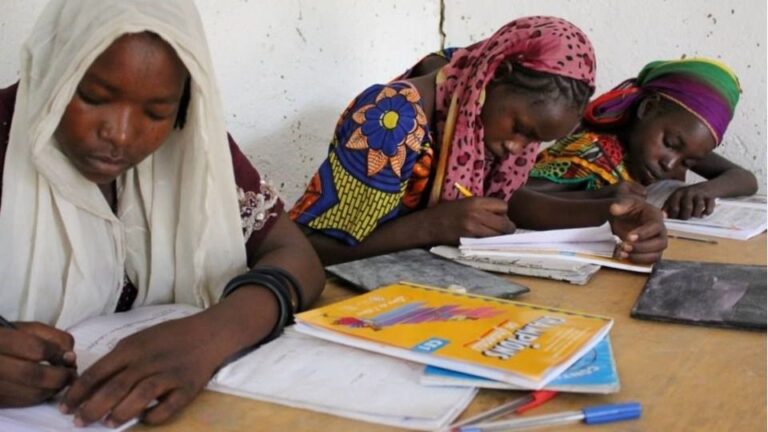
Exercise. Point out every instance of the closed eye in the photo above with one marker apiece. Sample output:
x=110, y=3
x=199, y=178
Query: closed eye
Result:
x=89, y=99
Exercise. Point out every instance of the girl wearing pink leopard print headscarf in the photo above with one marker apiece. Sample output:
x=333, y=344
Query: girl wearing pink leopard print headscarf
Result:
x=469, y=118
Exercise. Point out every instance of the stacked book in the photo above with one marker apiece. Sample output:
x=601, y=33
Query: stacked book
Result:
x=572, y=255
x=471, y=340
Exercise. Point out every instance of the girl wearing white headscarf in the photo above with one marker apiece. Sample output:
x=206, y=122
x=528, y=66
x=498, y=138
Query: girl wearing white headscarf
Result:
x=184, y=213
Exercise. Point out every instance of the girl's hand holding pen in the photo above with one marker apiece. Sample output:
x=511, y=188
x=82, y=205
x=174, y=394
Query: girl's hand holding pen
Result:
x=36, y=362
x=641, y=228
x=467, y=217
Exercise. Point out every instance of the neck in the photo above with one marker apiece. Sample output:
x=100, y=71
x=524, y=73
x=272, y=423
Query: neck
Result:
x=108, y=190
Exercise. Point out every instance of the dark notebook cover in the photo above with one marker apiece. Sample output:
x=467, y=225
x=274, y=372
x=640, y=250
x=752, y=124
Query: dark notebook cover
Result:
x=711, y=294
x=420, y=266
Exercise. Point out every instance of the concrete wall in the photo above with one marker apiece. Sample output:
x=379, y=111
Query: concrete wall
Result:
x=287, y=68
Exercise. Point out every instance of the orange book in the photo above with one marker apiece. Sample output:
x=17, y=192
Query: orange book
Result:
x=513, y=342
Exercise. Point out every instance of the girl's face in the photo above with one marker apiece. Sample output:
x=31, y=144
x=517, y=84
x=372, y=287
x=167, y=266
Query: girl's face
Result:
x=124, y=107
x=512, y=120
x=665, y=139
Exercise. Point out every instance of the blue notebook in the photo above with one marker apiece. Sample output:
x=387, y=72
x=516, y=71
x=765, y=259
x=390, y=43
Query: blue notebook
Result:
x=595, y=372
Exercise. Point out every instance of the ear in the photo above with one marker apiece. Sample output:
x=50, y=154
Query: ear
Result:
x=648, y=106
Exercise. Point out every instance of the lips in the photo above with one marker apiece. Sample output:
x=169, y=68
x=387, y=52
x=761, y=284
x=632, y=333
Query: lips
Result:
x=106, y=165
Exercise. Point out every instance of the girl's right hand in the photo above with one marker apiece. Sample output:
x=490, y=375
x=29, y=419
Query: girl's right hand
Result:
x=24, y=377
x=468, y=217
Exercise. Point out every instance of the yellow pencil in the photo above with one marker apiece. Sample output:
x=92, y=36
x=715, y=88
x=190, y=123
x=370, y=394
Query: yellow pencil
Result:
x=464, y=191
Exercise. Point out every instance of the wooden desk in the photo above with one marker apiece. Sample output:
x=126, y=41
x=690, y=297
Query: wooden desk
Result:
x=687, y=378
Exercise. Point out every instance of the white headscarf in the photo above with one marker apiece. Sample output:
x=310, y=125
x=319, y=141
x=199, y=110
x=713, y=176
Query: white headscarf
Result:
x=177, y=230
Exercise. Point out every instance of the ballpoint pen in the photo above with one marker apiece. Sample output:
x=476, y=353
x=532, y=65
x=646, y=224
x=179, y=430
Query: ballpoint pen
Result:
x=464, y=191
x=590, y=415
x=526, y=402
x=696, y=239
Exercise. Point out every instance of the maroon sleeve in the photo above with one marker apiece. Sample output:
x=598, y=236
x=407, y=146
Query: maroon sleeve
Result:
x=259, y=204
x=7, y=104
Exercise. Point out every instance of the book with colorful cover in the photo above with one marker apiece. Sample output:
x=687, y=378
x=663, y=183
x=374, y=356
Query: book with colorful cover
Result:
x=595, y=372
x=517, y=343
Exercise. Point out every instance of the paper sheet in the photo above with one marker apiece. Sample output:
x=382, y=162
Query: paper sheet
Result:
x=307, y=372
x=598, y=234
x=93, y=339
x=294, y=370
x=735, y=218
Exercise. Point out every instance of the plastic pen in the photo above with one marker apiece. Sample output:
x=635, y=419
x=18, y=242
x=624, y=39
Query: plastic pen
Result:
x=696, y=239
x=526, y=402
x=464, y=191
x=590, y=415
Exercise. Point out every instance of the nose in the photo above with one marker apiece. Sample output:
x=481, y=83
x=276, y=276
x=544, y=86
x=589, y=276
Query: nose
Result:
x=116, y=130
x=515, y=146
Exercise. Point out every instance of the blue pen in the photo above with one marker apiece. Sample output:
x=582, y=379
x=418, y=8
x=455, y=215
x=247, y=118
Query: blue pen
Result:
x=590, y=415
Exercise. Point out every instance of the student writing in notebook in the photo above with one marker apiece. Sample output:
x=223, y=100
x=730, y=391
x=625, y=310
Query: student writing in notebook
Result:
x=121, y=189
x=473, y=116
x=667, y=120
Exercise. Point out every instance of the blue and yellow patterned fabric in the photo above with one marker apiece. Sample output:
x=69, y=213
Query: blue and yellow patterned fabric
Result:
x=377, y=167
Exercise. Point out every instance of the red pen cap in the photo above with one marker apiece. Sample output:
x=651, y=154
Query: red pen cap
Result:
x=539, y=397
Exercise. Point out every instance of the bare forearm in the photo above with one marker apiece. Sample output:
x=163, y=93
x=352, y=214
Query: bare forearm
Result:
x=731, y=183
x=249, y=314
x=407, y=232
x=539, y=211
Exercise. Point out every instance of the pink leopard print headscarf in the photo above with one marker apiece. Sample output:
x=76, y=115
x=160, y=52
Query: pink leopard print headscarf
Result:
x=540, y=43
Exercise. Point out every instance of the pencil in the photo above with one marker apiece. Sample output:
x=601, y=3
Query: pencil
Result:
x=464, y=191
x=7, y=324
x=696, y=239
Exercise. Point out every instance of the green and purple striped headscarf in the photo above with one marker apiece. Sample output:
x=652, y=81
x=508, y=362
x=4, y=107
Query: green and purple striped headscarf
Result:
x=706, y=88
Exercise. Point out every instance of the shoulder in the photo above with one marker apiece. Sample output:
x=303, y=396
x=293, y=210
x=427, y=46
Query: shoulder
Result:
x=584, y=141
x=384, y=94
x=391, y=106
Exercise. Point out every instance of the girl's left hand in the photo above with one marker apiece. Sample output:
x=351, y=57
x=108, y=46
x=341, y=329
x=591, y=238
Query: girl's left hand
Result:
x=170, y=362
x=690, y=201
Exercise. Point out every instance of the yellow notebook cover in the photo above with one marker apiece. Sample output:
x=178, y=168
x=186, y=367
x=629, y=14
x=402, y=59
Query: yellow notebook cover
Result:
x=499, y=339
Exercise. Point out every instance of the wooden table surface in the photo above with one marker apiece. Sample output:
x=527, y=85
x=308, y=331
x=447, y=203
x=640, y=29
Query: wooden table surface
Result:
x=687, y=378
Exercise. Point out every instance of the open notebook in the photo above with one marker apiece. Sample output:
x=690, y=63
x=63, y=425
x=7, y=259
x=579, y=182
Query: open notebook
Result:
x=294, y=370
x=733, y=218
x=592, y=245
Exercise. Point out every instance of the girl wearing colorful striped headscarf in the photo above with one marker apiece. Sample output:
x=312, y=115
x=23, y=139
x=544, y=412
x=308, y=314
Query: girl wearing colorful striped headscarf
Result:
x=654, y=127
x=472, y=120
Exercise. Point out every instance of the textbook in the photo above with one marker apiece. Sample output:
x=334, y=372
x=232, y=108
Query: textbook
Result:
x=591, y=245
x=733, y=218
x=517, y=343
x=595, y=372
x=294, y=370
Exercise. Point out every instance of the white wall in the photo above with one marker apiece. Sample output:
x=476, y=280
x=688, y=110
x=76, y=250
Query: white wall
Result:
x=288, y=67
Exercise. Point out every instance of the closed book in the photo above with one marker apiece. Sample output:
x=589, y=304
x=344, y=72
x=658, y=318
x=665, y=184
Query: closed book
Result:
x=518, y=343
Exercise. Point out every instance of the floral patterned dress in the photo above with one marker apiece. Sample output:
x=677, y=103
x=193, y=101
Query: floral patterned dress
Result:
x=377, y=169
